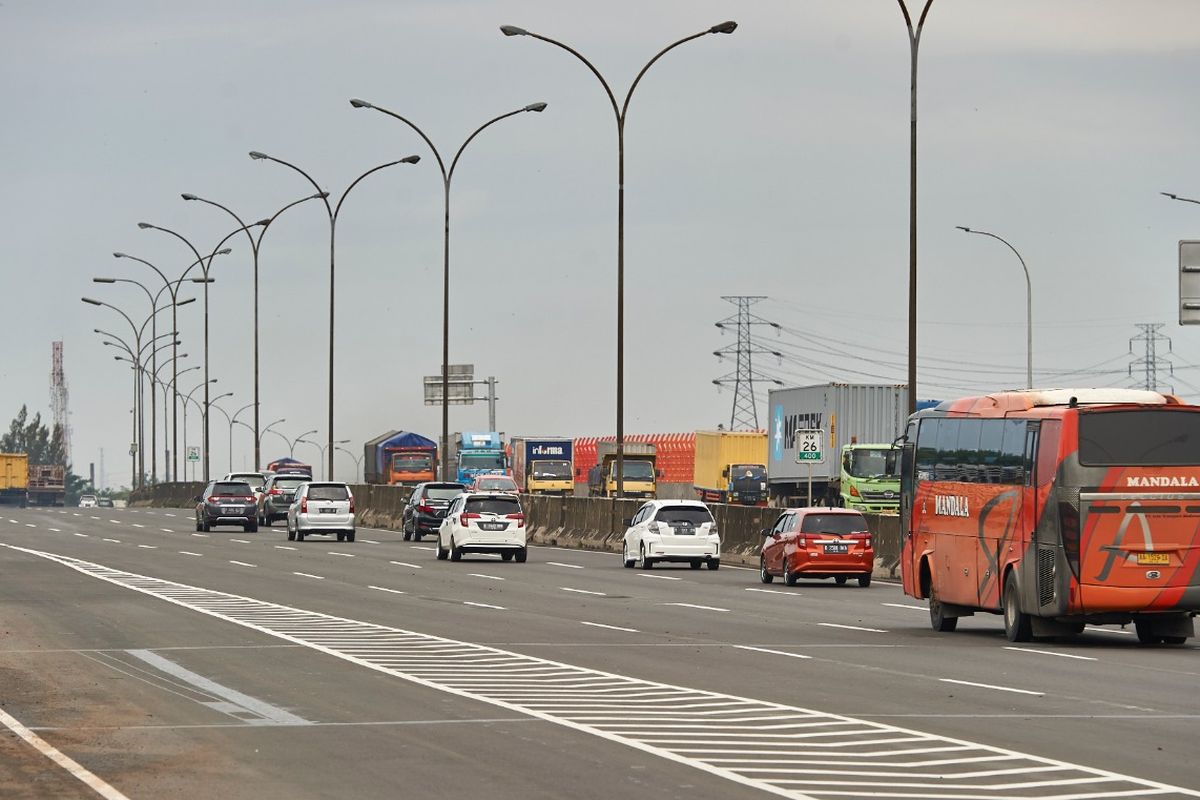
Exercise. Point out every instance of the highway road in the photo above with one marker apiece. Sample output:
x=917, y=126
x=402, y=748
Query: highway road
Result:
x=141, y=659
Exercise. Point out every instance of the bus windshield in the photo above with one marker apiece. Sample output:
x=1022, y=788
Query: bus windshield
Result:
x=1143, y=438
x=873, y=463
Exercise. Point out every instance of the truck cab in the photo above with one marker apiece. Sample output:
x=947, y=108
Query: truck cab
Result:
x=480, y=454
x=543, y=465
x=870, y=479
x=745, y=484
x=640, y=471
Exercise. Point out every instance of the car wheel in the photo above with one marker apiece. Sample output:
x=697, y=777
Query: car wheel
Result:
x=266, y=521
x=789, y=577
x=506, y=556
x=642, y=561
x=408, y=533
x=341, y=537
x=714, y=564
x=522, y=554
x=299, y=534
x=864, y=580
x=840, y=580
x=291, y=535
x=696, y=563
x=442, y=553
x=625, y=559
x=349, y=536
x=937, y=615
x=1017, y=625
x=252, y=527
x=455, y=552
x=417, y=535
x=205, y=526
x=763, y=575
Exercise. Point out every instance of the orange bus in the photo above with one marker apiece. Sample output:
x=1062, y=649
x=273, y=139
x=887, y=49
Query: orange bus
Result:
x=1056, y=508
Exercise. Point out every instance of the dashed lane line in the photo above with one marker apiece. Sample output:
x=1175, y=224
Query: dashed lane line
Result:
x=114, y=541
x=30, y=525
x=904, y=605
x=370, y=541
x=1050, y=653
x=343, y=555
x=785, y=750
x=309, y=575
x=385, y=589
x=406, y=564
x=660, y=577
x=283, y=547
x=563, y=564
x=850, y=627
x=697, y=606
x=582, y=591
x=423, y=547
x=486, y=577
x=77, y=771
x=148, y=546
x=166, y=530
x=137, y=525
x=992, y=686
x=84, y=535
x=772, y=652
x=483, y=605
x=115, y=521
x=56, y=530
x=773, y=591
x=189, y=553
x=201, y=535
x=242, y=563
x=240, y=541
x=609, y=627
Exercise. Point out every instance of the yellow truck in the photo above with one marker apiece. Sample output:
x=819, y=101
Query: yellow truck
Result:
x=731, y=467
x=14, y=478
x=640, y=470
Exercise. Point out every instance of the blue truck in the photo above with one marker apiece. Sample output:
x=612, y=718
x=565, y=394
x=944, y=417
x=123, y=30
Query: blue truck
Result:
x=479, y=454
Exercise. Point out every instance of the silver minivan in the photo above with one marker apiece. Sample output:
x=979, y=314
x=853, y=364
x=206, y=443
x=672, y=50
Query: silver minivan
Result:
x=321, y=507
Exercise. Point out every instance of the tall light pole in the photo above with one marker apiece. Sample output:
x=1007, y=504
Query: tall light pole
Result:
x=914, y=44
x=255, y=245
x=332, y=212
x=173, y=288
x=620, y=112
x=447, y=176
x=1028, y=304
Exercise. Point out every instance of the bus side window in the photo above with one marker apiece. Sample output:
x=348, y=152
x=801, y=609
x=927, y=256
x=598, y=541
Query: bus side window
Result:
x=1012, y=452
x=1030, y=458
x=991, y=440
x=968, y=450
x=926, y=443
x=946, y=468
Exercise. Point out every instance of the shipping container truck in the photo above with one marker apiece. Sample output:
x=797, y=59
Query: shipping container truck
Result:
x=870, y=479
x=14, y=479
x=640, y=470
x=479, y=454
x=844, y=413
x=543, y=464
x=731, y=467
x=400, y=458
x=47, y=485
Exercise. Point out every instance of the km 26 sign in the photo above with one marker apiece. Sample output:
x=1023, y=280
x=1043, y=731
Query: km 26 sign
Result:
x=808, y=446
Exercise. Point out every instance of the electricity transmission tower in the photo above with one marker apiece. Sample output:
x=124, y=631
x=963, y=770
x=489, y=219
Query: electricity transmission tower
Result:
x=1148, y=364
x=744, y=415
x=60, y=397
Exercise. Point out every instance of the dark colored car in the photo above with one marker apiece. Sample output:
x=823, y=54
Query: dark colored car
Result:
x=427, y=507
x=104, y=502
x=227, y=503
x=277, y=494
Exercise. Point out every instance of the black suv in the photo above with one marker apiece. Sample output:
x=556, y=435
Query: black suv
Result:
x=277, y=494
x=427, y=507
x=227, y=503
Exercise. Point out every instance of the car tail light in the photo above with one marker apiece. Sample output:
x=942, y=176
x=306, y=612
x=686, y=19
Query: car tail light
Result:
x=425, y=508
x=251, y=499
x=652, y=527
x=276, y=491
x=465, y=517
x=520, y=518
x=351, y=504
x=214, y=499
x=303, y=505
x=801, y=542
x=1068, y=528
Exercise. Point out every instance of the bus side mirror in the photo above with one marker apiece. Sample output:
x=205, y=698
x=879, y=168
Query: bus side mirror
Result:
x=765, y=532
x=725, y=472
x=628, y=521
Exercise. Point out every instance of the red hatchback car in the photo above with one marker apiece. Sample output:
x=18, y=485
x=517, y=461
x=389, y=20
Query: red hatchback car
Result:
x=817, y=543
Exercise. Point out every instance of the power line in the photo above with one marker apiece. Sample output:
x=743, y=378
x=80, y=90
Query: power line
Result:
x=744, y=415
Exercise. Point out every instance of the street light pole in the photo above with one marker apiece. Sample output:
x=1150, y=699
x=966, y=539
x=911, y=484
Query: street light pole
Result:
x=914, y=43
x=1028, y=303
x=1180, y=199
x=332, y=212
x=255, y=244
x=620, y=113
x=447, y=176
x=291, y=443
x=357, y=462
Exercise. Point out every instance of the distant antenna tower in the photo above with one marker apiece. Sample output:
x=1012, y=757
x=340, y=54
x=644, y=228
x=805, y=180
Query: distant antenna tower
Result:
x=1148, y=364
x=60, y=397
x=744, y=415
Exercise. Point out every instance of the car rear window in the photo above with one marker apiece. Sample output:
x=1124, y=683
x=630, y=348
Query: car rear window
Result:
x=443, y=492
x=319, y=492
x=231, y=487
x=493, y=505
x=497, y=483
x=838, y=524
x=289, y=483
x=693, y=514
x=256, y=481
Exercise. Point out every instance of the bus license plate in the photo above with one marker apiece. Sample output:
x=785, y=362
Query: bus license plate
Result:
x=837, y=548
x=1154, y=558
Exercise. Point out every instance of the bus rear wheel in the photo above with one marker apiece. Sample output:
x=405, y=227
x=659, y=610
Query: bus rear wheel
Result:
x=1017, y=625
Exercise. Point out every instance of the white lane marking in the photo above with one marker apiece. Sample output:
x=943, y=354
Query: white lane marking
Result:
x=92, y=518
x=136, y=525
x=115, y=521
x=370, y=541
x=283, y=547
x=488, y=577
x=774, y=591
x=406, y=564
x=76, y=514
x=240, y=541
x=309, y=575
x=14, y=522
x=201, y=535
x=49, y=751
x=189, y=553
x=562, y=564
x=904, y=605
x=660, y=577
x=114, y=541
x=772, y=652
x=484, y=605
x=722, y=734
x=168, y=515
x=850, y=627
x=1051, y=653
x=423, y=547
x=166, y=530
x=609, y=627
x=385, y=589
x=694, y=605
x=148, y=546
x=992, y=686
x=1101, y=629
x=30, y=525
x=56, y=530
x=266, y=711
x=582, y=591
x=242, y=563
x=343, y=555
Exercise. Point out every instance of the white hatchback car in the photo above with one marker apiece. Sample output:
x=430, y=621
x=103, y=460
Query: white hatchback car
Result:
x=672, y=530
x=87, y=501
x=256, y=480
x=483, y=522
x=325, y=507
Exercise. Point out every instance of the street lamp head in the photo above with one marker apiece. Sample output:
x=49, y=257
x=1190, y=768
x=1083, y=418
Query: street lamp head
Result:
x=187, y=196
x=257, y=155
x=539, y=107
x=185, y=302
x=225, y=251
x=120, y=255
x=319, y=196
x=104, y=280
x=962, y=228
x=144, y=225
x=725, y=27
x=263, y=222
x=356, y=103
x=203, y=280
x=410, y=159
x=1170, y=195
x=91, y=301
x=513, y=30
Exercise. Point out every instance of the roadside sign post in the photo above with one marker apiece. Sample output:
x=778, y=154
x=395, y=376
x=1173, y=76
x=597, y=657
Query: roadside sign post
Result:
x=809, y=452
x=1189, y=283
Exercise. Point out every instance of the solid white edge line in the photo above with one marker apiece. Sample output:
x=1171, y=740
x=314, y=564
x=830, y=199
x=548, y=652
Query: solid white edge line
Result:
x=93, y=782
x=385, y=589
x=1050, y=653
x=850, y=627
x=772, y=652
x=609, y=627
x=992, y=686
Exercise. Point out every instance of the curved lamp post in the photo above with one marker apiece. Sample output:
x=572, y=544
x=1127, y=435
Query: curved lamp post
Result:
x=914, y=44
x=255, y=245
x=291, y=443
x=357, y=462
x=1028, y=303
x=187, y=398
x=447, y=176
x=332, y=212
x=620, y=112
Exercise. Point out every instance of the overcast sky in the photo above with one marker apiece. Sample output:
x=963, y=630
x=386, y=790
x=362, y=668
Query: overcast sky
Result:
x=771, y=162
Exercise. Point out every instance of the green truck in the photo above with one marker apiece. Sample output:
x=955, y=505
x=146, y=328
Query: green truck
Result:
x=871, y=478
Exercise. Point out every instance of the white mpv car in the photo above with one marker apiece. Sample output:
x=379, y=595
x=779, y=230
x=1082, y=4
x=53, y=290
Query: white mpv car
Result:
x=672, y=530
x=483, y=522
x=324, y=507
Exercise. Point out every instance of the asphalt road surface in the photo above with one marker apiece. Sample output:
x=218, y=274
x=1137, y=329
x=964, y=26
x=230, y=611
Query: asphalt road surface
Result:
x=141, y=659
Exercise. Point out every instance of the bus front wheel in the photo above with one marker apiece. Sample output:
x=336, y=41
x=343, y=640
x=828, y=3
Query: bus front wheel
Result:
x=1017, y=625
